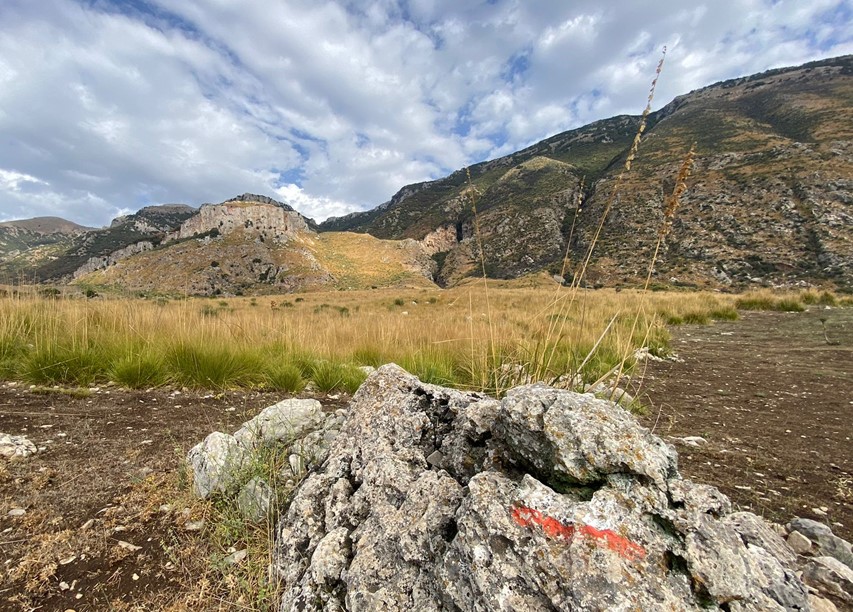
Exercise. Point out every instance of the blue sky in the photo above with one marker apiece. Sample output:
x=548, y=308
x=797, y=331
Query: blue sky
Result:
x=332, y=106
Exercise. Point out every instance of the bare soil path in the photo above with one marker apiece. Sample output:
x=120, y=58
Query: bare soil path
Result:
x=772, y=398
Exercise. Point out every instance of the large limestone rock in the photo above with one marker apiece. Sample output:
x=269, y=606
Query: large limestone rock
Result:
x=434, y=499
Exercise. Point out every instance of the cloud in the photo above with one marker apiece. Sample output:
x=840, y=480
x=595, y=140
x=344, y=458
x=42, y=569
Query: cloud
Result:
x=334, y=106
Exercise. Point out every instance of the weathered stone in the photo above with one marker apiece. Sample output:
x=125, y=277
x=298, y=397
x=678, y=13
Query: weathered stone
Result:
x=254, y=500
x=546, y=500
x=285, y=421
x=799, y=543
x=216, y=463
x=16, y=447
x=575, y=438
x=236, y=557
x=828, y=575
x=819, y=604
x=827, y=543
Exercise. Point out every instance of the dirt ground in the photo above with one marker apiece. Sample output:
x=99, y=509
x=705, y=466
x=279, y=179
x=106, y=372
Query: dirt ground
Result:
x=771, y=397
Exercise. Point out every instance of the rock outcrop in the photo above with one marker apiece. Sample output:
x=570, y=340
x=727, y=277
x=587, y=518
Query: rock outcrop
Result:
x=267, y=221
x=435, y=499
x=105, y=261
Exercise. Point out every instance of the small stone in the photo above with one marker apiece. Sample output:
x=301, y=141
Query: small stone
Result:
x=830, y=576
x=68, y=560
x=63, y=586
x=235, y=557
x=193, y=525
x=78, y=596
x=128, y=546
x=799, y=543
x=693, y=440
x=435, y=459
x=15, y=512
x=819, y=511
x=87, y=525
x=135, y=576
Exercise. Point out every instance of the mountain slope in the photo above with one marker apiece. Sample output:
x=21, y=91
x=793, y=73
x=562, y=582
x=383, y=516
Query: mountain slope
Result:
x=257, y=246
x=27, y=242
x=769, y=202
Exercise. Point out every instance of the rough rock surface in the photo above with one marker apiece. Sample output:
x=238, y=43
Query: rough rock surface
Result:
x=300, y=425
x=434, y=499
x=824, y=541
x=267, y=220
x=16, y=447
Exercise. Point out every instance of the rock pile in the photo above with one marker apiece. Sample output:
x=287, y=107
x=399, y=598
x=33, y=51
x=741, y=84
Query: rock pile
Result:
x=435, y=499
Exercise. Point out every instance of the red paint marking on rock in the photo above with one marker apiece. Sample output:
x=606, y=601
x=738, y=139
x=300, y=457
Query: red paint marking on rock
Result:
x=553, y=528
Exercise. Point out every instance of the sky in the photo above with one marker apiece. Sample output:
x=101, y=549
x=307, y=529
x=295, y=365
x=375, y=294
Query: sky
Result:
x=332, y=106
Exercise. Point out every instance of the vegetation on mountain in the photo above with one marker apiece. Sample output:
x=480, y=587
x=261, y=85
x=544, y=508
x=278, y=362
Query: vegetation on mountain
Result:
x=769, y=203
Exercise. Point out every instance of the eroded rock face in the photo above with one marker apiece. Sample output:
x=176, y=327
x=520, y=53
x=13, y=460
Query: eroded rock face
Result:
x=435, y=499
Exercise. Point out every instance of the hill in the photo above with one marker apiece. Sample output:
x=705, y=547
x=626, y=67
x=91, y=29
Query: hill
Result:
x=769, y=203
x=26, y=243
x=254, y=245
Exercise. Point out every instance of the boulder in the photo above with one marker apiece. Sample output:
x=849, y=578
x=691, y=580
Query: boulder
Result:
x=296, y=427
x=436, y=499
x=287, y=420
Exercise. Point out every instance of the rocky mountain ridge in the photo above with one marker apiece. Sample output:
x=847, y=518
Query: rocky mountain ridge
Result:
x=769, y=202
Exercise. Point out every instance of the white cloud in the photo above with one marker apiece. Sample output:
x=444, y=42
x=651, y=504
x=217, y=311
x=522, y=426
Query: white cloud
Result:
x=334, y=106
x=12, y=181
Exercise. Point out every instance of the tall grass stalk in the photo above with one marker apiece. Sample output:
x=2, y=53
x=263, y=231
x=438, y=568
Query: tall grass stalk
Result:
x=545, y=347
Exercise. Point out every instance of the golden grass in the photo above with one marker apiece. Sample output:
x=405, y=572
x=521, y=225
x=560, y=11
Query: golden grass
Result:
x=78, y=341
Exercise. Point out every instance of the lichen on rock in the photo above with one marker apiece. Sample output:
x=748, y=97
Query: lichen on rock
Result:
x=436, y=499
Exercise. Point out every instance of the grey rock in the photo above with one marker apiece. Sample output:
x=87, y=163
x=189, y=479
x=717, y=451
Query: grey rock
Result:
x=298, y=426
x=254, y=500
x=576, y=438
x=829, y=576
x=16, y=447
x=694, y=441
x=827, y=543
x=236, y=557
x=285, y=421
x=546, y=500
x=216, y=463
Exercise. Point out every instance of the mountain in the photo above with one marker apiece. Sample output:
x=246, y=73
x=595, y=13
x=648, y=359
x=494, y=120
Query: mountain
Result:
x=769, y=201
x=255, y=245
x=126, y=236
x=28, y=242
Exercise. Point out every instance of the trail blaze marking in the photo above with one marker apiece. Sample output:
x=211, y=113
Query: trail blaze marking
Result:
x=528, y=517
